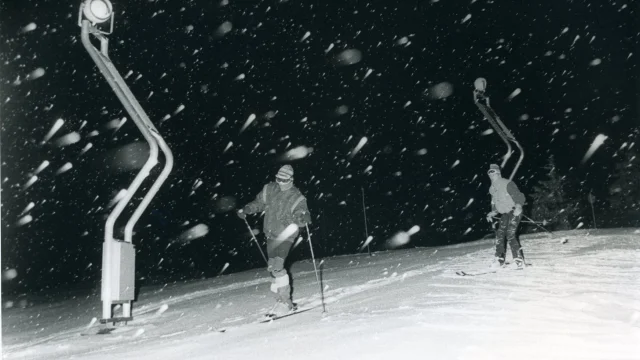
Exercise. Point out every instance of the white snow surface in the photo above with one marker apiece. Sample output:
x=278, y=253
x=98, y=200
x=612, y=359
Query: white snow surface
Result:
x=578, y=300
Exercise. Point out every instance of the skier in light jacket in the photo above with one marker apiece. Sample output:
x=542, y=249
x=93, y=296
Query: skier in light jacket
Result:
x=283, y=204
x=507, y=201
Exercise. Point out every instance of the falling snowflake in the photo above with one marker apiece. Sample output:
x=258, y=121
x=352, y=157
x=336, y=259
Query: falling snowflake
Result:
x=193, y=233
x=250, y=120
x=595, y=62
x=68, y=139
x=179, y=109
x=30, y=27
x=28, y=208
x=224, y=28
x=515, y=93
x=36, y=74
x=56, y=126
x=31, y=181
x=348, y=57
x=228, y=146
x=42, y=166
x=366, y=242
x=24, y=220
x=296, y=153
x=440, y=91
x=64, y=168
x=597, y=142
x=358, y=147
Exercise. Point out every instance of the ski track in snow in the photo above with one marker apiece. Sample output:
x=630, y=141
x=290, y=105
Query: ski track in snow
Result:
x=578, y=300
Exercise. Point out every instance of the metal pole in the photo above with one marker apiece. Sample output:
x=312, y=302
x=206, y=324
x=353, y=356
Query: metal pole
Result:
x=168, y=166
x=500, y=128
x=313, y=258
x=536, y=224
x=477, y=96
x=366, y=231
x=153, y=138
x=256, y=240
x=101, y=60
x=593, y=213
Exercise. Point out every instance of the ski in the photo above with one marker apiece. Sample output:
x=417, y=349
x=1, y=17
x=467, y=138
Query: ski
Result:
x=97, y=331
x=269, y=317
x=488, y=271
x=476, y=273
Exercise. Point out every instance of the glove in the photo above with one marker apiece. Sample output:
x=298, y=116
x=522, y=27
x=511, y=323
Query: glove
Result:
x=491, y=215
x=241, y=214
x=518, y=210
x=300, y=220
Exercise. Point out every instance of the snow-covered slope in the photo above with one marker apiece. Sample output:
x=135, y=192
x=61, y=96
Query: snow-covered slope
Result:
x=578, y=300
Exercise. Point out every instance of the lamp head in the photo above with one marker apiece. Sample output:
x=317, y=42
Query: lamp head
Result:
x=480, y=84
x=97, y=11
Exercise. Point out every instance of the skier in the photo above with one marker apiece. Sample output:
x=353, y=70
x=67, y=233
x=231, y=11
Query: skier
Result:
x=507, y=201
x=283, y=205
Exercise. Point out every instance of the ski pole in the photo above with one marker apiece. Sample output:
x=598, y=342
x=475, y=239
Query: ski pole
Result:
x=536, y=224
x=593, y=212
x=531, y=222
x=526, y=222
x=256, y=240
x=366, y=231
x=315, y=269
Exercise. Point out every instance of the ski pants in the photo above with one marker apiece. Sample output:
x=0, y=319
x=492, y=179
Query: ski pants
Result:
x=277, y=252
x=507, y=231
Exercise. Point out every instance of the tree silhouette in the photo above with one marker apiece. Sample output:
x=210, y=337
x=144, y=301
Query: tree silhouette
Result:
x=625, y=191
x=551, y=203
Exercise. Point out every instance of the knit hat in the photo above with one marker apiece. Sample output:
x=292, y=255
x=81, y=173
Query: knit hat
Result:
x=494, y=167
x=285, y=173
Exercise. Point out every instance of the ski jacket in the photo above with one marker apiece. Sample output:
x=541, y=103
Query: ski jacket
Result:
x=281, y=208
x=505, y=195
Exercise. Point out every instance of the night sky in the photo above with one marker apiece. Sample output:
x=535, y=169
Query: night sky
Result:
x=315, y=74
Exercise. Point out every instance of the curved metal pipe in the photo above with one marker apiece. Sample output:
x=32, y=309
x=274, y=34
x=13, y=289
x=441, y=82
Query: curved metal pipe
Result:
x=477, y=96
x=109, y=72
x=497, y=124
x=513, y=173
x=111, y=75
x=144, y=123
x=128, y=230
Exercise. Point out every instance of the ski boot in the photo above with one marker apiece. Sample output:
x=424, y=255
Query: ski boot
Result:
x=518, y=264
x=280, y=309
x=497, y=263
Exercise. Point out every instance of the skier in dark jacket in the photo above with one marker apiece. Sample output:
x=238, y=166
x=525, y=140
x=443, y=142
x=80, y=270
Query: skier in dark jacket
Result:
x=507, y=201
x=285, y=211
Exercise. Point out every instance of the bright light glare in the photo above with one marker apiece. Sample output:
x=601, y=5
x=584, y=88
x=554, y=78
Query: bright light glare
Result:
x=480, y=84
x=98, y=11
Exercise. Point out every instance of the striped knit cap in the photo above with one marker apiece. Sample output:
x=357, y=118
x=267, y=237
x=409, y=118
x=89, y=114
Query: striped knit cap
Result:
x=285, y=172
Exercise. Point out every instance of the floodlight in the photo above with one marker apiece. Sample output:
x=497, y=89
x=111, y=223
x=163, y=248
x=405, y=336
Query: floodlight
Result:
x=98, y=11
x=480, y=84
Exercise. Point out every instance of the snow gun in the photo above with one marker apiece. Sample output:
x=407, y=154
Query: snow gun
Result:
x=482, y=102
x=96, y=18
